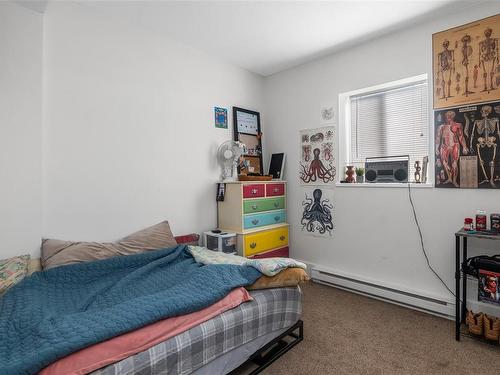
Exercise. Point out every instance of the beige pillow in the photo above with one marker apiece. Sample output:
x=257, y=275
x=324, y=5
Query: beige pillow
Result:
x=34, y=266
x=286, y=278
x=58, y=253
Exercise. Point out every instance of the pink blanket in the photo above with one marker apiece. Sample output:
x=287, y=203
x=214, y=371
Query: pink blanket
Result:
x=120, y=347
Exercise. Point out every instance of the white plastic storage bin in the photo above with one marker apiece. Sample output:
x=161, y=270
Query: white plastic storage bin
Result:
x=224, y=241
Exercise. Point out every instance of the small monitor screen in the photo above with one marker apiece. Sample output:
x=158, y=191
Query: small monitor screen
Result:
x=276, y=165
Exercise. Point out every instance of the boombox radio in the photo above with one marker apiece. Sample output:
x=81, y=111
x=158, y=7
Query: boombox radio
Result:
x=387, y=169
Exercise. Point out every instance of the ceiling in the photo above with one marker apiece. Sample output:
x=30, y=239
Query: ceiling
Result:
x=266, y=37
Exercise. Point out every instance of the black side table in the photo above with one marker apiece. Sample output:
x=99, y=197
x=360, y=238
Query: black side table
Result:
x=460, y=273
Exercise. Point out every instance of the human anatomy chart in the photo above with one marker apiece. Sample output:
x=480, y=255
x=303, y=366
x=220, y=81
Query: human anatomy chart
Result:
x=317, y=212
x=317, y=162
x=466, y=65
x=466, y=145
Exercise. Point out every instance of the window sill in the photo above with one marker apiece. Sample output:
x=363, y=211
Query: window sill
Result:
x=385, y=185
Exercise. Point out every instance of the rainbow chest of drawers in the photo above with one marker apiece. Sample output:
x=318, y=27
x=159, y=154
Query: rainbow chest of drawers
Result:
x=256, y=211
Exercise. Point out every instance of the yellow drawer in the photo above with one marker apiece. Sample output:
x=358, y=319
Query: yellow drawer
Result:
x=255, y=243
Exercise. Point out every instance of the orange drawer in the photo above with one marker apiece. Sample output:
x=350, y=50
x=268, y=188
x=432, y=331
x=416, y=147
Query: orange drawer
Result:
x=273, y=190
x=253, y=191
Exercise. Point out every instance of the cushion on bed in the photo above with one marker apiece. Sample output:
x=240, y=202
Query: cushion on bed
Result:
x=286, y=278
x=58, y=253
x=12, y=271
x=34, y=265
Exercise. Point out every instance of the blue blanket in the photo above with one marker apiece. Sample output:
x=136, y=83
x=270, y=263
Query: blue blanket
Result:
x=62, y=310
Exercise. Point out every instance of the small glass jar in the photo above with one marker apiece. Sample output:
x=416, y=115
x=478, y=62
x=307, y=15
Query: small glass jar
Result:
x=468, y=224
x=495, y=222
x=481, y=220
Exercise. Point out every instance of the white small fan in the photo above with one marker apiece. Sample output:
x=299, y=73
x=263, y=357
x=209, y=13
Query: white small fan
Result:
x=228, y=156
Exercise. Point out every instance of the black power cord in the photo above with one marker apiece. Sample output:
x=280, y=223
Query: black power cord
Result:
x=422, y=242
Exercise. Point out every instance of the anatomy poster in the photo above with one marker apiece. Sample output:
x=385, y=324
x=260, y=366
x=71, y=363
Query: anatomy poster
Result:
x=466, y=146
x=466, y=63
x=317, y=212
x=317, y=161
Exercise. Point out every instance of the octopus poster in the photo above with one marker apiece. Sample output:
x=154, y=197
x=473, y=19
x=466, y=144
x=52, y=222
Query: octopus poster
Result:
x=466, y=146
x=466, y=65
x=317, y=161
x=317, y=212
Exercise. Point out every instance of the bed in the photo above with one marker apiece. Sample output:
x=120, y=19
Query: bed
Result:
x=259, y=330
x=223, y=343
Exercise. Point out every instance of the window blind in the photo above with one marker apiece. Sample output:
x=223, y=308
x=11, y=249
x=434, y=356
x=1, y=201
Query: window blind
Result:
x=389, y=123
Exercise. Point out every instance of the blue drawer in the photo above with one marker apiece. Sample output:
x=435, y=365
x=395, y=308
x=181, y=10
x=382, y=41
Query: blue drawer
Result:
x=260, y=220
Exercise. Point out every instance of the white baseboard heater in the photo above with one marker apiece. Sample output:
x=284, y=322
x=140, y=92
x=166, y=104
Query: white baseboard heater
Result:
x=410, y=299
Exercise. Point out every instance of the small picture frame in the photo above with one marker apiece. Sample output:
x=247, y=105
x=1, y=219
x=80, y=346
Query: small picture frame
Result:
x=246, y=121
x=220, y=117
x=327, y=114
x=277, y=165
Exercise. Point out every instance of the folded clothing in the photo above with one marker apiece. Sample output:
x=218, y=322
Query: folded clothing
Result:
x=120, y=347
x=267, y=266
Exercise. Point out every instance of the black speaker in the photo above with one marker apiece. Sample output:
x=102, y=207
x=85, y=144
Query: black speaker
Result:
x=387, y=169
x=401, y=175
x=370, y=175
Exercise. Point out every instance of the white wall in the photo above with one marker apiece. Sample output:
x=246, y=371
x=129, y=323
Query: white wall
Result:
x=129, y=136
x=20, y=129
x=375, y=235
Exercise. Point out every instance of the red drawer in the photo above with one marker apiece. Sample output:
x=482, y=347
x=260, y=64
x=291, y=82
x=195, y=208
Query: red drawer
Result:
x=273, y=190
x=281, y=252
x=253, y=191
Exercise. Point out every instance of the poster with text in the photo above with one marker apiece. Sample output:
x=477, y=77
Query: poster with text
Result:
x=317, y=160
x=466, y=66
x=466, y=146
x=317, y=212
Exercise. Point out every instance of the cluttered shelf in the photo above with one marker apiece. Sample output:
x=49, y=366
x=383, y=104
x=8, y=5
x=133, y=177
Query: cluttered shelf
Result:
x=489, y=235
x=483, y=268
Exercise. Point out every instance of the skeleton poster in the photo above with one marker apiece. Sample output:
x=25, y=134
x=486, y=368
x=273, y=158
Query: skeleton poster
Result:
x=466, y=146
x=466, y=66
x=317, y=212
x=317, y=161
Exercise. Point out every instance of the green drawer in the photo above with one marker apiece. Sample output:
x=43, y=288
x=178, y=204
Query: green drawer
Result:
x=259, y=205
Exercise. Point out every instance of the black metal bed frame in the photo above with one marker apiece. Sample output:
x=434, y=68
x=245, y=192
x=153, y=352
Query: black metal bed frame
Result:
x=274, y=349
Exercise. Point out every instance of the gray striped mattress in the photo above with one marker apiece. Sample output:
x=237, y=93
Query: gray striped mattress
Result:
x=271, y=310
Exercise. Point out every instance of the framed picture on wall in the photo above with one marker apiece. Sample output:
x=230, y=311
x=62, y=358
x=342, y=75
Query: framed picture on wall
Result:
x=246, y=121
x=247, y=131
x=220, y=117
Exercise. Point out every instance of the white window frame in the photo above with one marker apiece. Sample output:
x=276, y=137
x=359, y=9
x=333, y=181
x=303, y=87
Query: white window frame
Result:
x=344, y=131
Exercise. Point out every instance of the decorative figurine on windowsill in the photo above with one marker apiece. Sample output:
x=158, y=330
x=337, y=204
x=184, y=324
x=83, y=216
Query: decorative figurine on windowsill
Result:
x=417, y=171
x=350, y=174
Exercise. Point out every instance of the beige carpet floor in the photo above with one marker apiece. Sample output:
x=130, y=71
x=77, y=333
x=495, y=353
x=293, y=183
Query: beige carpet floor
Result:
x=346, y=333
